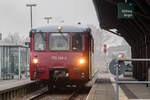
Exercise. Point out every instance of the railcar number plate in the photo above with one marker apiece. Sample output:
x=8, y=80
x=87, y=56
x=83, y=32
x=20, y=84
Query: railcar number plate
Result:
x=59, y=57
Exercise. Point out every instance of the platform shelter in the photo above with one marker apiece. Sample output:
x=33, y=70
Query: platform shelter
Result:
x=13, y=61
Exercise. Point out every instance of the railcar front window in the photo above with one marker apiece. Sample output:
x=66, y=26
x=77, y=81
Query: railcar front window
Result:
x=40, y=41
x=59, y=41
x=77, y=41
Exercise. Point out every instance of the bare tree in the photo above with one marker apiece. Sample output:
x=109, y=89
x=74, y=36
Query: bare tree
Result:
x=13, y=38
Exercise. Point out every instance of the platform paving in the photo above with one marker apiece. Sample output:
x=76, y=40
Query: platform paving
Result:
x=8, y=84
x=104, y=89
x=136, y=91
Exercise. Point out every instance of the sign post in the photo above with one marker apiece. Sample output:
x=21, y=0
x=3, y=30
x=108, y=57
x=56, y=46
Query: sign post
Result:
x=116, y=66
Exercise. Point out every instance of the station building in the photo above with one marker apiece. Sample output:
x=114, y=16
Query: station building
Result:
x=13, y=61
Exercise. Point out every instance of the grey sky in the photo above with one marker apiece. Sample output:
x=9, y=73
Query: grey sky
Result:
x=15, y=16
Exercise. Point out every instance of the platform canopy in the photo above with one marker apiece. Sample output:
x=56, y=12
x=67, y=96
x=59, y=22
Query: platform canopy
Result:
x=130, y=28
x=131, y=18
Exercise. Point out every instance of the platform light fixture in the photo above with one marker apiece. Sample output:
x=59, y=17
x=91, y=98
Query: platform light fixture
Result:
x=31, y=5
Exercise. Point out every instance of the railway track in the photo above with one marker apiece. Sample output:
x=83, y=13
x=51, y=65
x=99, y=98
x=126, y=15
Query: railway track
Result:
x=70, y=93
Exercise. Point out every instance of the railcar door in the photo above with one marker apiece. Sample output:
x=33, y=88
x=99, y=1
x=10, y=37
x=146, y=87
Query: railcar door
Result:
x=91, y=51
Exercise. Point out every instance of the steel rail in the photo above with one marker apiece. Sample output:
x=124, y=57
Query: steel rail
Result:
x=74, y=94
x=38, y=94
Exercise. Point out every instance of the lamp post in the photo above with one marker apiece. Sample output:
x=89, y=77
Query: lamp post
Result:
x=48, y=19
x=31, y=5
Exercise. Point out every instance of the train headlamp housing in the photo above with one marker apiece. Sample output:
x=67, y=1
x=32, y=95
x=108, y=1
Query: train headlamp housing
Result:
x=35, y=60
x=81, y=61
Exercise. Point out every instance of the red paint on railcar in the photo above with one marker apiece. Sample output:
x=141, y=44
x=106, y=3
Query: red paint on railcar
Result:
x=50, y=61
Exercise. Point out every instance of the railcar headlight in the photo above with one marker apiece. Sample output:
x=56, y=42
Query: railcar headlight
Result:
x=35, y=61
x=82, y=61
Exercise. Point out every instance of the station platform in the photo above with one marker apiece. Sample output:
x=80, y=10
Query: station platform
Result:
x=104, y=89
x=8, y=84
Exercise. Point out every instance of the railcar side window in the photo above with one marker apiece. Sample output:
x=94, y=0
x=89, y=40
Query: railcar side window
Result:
x=59, y=41
x=40, y=41
x=77, y=41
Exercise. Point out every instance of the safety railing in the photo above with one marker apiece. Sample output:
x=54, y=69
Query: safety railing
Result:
x=117, y=66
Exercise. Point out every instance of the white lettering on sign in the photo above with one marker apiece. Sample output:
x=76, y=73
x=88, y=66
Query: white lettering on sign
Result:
x=59, y=57
x=128, y=15
x=126, y=11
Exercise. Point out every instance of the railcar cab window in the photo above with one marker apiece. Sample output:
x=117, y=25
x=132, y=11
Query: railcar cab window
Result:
x=59, y=41
x=77, y=41
x=40, y=41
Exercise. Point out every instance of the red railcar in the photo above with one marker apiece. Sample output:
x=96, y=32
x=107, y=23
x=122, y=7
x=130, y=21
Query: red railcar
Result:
x=61, y=54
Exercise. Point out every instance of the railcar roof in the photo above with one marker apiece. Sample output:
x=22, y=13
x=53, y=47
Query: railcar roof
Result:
x=65, y=28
